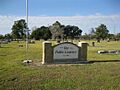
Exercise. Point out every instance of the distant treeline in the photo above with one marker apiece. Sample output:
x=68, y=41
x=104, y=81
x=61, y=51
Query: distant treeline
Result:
x=57, y=31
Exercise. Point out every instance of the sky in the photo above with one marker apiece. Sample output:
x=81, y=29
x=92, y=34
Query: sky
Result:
x=85, y=14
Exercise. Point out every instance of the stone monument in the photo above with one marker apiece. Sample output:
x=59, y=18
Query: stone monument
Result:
x=66, y=52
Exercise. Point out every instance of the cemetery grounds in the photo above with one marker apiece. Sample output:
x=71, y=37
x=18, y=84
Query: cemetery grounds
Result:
x=103, y=73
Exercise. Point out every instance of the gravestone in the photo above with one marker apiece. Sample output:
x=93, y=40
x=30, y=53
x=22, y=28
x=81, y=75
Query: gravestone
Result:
x=108, y=51
x=4, y=42
x=93, y=44
x=66, y=52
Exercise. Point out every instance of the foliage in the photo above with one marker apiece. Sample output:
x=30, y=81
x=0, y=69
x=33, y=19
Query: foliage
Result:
x=18, y=29
x=101, y=32
x=92, y=34
x=1, y=36
x=118, y=36
x=8, y=36
x=85, y=36
x=41, y=33
x=72, y=31
x=111, y=36
x=63, y=31
x=57, y=30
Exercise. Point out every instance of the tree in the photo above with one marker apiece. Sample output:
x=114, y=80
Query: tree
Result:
x=118, y=35
x=36, y=34
x=72, y=32
x=111, y=36
x=46, y=34
x=92, y=34
x=18, y=29
x=101, y=32
x=57, y=30
x=41, y=33
x=85, y=36
x=1, y=38
x=8, y=37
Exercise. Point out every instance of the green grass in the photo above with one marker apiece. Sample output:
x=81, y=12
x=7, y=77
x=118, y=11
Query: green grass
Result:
x=97, y=76
x=93, y=55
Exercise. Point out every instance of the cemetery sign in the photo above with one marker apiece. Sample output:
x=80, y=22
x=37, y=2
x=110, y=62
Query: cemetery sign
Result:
x=65, y=51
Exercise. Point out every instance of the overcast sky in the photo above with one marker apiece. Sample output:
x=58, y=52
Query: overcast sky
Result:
x=86, y=14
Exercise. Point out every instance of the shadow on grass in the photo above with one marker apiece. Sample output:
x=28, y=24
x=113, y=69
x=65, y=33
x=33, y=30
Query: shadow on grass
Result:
x=4, y=47
x=88, y=62
x=3, y=55
x=104, y=61
x=69, y=63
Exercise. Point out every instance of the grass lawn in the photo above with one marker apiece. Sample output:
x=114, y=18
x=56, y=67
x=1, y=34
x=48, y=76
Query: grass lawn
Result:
x=96, y=76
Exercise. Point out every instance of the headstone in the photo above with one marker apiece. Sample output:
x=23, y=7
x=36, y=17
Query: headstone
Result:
x=31, y=41
x=4, y=42
x=27, y=61
x=108, y=51
x=108, y=40
x=20, y=45
x=112, y=51
x=102, y=51
x=118, y=51
x=93, y=44
x=58, y=41
x=98, y=40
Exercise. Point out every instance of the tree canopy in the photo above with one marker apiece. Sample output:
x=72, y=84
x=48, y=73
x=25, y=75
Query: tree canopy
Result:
x=72, y=32
x=41, y=33
x=1, y=36
x=101, y=32
x=57, y=30
x=18, y=29
x=63, y=31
